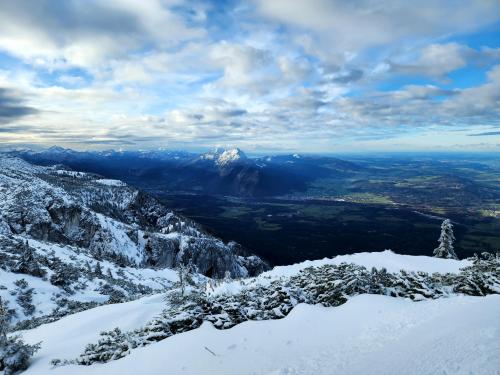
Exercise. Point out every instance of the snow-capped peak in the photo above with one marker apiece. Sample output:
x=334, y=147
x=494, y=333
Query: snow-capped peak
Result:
x=58, y=149
x=223, y=157
x=230, y=156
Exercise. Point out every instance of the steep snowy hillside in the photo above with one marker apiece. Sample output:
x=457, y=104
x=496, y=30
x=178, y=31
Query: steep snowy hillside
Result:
x=70, y=240
x=367, y=335
x=432, y=316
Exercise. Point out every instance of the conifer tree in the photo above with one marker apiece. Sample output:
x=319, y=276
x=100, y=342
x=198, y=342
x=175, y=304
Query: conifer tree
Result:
x=446, y=239
x=98, y=270
x=27, y=263
x=14, y=353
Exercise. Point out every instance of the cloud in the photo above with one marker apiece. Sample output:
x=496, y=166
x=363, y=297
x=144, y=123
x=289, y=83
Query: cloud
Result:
x=280, y=74
x=348, y=76
x=353, y=26
x=86, y=34
x=12, y=107
x=484, y=134
x=436, y=60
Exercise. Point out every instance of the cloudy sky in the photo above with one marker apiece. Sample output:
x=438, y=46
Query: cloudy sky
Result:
x=264, y=75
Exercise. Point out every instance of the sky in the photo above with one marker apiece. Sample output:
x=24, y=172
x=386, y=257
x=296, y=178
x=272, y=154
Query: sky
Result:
x=280, y=75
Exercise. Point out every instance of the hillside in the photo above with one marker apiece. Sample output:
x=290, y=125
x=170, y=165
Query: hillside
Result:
x=73, y=240
x=349, y=314
x=108, y=280
x=368, y=334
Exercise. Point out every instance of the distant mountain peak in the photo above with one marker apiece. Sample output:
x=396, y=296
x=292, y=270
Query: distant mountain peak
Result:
x=231, y=156
x=223, y=157
x=58, y=149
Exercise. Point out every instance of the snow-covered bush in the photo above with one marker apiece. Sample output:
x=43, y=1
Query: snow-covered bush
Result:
x=329, y=285
x=14, y=353
x=24, y=296
x=28, y=262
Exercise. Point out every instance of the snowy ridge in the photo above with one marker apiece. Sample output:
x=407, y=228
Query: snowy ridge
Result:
x=385, y=259
x=350, y=333
x=367, y=335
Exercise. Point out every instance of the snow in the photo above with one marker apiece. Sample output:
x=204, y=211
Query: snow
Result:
x=119, y=239
x=154, y=278
x=44, y=292
x=110, y=182
x=230, y=156
x=76, y=174
x=390, y=260
x=383, y=259
x=67, y=337
x=223, y=157
x=42, y=298
x=369, y=334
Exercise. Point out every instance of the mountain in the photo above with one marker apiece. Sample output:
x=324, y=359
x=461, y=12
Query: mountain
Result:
x=221, y=157
x=221, y=171
x=71, y=239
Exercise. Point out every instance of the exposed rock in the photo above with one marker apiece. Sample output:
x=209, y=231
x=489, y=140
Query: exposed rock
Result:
x=113, y=221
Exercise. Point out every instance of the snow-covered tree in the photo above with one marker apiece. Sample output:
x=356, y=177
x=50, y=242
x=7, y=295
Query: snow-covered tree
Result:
x=14, y=353
x=98, y=270
x=27, y=262
x=446, y=239
x=25, y=296
x=185, y=279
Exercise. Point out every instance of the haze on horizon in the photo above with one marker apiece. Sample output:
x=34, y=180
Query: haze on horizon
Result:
x=302, y=75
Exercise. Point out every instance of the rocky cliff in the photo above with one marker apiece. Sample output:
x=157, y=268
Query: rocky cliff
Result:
x=110, y=220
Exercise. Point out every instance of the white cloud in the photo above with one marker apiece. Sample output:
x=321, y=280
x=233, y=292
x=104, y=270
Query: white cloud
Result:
x=435, y=60
x=277, y=73
x=352, y=25
x=86, y=34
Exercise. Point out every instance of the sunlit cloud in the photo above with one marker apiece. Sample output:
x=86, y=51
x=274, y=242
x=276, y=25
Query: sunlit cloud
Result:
x=315, y=75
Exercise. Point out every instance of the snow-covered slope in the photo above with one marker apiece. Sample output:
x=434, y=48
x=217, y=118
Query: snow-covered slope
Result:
x=71, y=239
x=367, y=335
x=359, y=329
x=109, y=218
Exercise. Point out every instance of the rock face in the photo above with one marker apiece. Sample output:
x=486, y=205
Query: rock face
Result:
x=111, y=220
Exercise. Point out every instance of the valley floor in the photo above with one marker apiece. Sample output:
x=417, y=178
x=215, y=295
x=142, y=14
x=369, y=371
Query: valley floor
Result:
x=370, y=334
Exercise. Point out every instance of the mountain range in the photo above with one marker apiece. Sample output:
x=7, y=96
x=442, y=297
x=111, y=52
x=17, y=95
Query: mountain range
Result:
x=100, y=278
x=221, y=171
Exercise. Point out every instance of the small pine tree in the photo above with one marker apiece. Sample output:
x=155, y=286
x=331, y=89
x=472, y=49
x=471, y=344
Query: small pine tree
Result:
x=27, y=263
x=25, y=296
x=88, y=270
x=185, y=277
x=446, y=239
x=209, y=289
x=98, y=270
x=14, y=353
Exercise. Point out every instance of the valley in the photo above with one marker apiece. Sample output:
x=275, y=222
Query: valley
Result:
x=290, y=208
x=285, y=231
